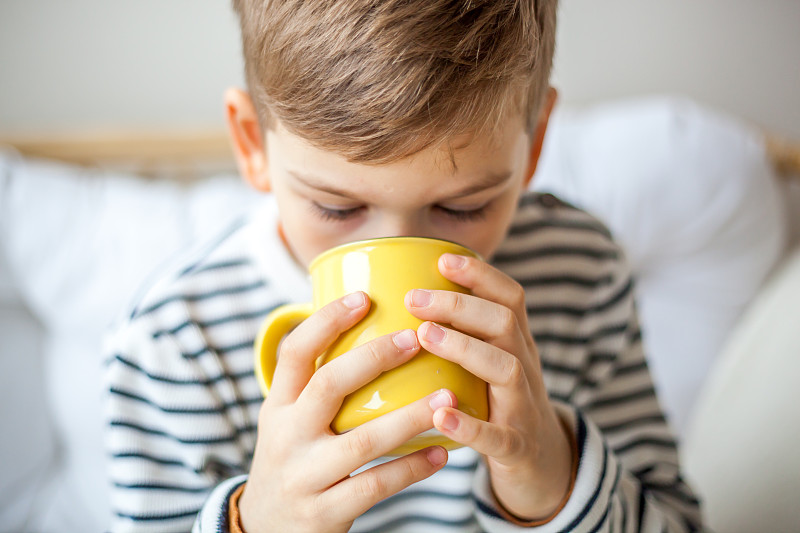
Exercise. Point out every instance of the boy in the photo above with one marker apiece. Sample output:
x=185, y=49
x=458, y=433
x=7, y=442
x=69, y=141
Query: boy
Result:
x=370, y=119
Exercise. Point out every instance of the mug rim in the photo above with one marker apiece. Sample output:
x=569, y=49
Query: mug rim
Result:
x=365, y=242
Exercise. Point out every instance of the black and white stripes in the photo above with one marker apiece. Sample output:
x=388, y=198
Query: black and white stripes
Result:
x=183, y=402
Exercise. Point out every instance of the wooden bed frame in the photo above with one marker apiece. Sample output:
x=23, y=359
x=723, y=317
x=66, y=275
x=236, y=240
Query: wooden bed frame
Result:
x=181, y=154
x=177, y=154
x=785, y=155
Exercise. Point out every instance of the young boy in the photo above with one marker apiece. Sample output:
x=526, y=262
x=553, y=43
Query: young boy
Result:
x=371, y=119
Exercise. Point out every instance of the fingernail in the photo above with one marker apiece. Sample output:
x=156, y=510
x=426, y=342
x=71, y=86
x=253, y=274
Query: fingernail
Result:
x=454, y=262
x=442, y=399
x=434, y=333
x=421, y=298
x=436, y=455
x=450, y=422
x=405, y=340
x=354, y=300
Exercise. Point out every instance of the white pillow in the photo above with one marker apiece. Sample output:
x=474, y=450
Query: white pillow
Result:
x=8, y=292
x=79, y=243
x=692, y=198
x=78, y=240
x=741, y=450
x=27, y=441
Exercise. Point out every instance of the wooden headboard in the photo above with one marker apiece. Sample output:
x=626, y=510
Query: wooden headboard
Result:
x=187, y=154
x=176, y=154
x=785, y=155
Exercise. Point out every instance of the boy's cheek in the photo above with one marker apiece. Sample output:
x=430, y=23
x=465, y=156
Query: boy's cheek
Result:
x=305, y=240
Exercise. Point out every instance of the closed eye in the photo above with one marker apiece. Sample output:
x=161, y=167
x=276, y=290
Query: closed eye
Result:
x=341, y=215
x=464, y=215
x=331, y=214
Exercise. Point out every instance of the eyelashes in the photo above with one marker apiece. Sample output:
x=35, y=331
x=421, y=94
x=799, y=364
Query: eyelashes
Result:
x=336, y=215
x=464, y=215
x=341, y=215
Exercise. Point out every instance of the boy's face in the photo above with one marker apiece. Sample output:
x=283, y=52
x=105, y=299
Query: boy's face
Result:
x=325, y=200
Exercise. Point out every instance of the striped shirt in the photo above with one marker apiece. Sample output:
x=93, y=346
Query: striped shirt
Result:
x=183, y=401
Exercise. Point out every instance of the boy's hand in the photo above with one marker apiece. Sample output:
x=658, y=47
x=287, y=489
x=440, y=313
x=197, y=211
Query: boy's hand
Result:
x=527, y=452
x=300, y=476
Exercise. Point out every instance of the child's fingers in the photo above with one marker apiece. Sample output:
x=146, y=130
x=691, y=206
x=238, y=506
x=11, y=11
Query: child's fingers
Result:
x=485, y=281
x=354, y=496
x=483, y=437
x=386, y=433
x=301, y=348
x=473, y=315
x=504, y=372
x=322, y=397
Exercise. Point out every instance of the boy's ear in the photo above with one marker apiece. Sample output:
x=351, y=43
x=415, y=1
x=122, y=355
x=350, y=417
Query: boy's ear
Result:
x=246, y=139
x=537, y=136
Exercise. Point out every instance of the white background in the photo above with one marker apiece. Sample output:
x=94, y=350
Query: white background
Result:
x=145, y=64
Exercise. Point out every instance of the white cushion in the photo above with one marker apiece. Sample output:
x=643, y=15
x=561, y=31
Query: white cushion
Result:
x=693, y=200
x=78, y=243
x=79, y=240
x=741, y=449
x=27, y=441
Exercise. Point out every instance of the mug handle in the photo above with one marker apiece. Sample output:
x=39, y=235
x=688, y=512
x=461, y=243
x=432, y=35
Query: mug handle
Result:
x=275, y=326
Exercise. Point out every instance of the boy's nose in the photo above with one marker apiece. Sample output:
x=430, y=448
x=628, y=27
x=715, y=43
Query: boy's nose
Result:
x=402, y=226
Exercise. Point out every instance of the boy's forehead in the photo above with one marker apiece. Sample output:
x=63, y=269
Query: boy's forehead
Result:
x=422, y=179
x=483, y=156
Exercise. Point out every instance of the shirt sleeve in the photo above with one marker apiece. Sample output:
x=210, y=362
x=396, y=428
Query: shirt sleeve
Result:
x=628, y=476
x=215, y=517
x=177, y=443
x=234, y=516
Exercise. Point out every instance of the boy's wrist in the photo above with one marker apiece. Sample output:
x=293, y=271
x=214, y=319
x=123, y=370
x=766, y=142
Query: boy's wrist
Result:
x=552, y=511
x=245, y=511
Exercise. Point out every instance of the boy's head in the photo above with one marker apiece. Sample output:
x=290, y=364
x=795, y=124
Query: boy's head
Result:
x=347, y=91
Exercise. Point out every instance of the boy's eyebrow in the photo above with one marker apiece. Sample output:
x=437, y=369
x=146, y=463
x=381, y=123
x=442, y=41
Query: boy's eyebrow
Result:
x=315, y=183
x=488, y=181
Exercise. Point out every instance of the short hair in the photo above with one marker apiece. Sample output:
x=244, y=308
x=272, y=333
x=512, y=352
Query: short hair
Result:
x=378, y=80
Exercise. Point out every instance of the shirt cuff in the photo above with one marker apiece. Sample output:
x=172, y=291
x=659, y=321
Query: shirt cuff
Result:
x=596, y=478
x=214, y=516
x=234, y=520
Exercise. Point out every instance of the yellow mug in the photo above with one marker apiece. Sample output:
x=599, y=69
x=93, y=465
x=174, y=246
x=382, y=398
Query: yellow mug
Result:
x=386, y=269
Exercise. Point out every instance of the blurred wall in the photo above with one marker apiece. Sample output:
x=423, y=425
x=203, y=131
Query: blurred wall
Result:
x=150, y=63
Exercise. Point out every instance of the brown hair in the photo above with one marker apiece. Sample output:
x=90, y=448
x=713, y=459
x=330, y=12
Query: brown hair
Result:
x=378, y=80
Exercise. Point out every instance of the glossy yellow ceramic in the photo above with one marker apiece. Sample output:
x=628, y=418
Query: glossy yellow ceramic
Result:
x=386, y=269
